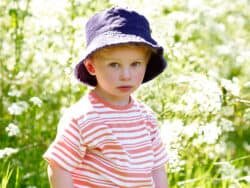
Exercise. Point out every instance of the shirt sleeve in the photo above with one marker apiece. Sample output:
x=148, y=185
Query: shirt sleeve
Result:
x=159, y=149
x=67, y=150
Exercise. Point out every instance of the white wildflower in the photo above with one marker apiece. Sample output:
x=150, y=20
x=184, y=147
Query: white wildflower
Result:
x=213, y=73
x=240, y=60
x=220, y=148
x=211, y=132
x=233, y=186
x=175, y=163
x=246, y=146
x=18, y=108
x=245, y=178
x=20, y=75
x=228, y=170
x=224, y=49
x=228, y=110
x=204, y=93
x=247, y=85
x=246, y=115
x=210, y=152
x=226, y=125
x=190, y=130
x=57, y=85
x=36, y=101
x=67, y=71
x=231, y=86
x=14, y=93
x=170, y=131
x=208, y=133
x=40, y=8
x=195, y=5
x=12, y=130
x=246, y=169
x=7, y=152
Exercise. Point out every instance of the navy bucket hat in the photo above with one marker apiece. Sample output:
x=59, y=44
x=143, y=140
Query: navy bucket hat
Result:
x=117, y=26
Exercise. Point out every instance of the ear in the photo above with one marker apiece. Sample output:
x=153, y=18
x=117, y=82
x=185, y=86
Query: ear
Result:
x=89, y=66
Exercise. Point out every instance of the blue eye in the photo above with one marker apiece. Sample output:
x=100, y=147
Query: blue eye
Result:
x=114, y=65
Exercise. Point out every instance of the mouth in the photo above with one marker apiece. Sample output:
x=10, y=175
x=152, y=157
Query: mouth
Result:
x=125, y=88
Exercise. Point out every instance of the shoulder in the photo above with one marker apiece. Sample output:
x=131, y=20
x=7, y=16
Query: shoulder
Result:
x=78, y=110
x=143, y=106
x=145, y=109
x=149, y=115
x=76, y=113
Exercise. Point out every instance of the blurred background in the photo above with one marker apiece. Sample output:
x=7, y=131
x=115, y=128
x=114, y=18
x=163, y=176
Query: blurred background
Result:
x=202, y=99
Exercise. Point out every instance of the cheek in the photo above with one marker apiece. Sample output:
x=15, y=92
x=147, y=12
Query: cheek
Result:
x=139, y=75
x=111, y=77
x=106, y=76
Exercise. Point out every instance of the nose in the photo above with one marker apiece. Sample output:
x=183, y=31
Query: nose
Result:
x=125, y=74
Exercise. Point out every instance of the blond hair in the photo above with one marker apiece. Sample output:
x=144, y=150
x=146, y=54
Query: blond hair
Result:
x=147, y=49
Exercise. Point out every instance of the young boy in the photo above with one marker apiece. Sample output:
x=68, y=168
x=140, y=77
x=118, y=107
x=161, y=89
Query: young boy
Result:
x=109, y=139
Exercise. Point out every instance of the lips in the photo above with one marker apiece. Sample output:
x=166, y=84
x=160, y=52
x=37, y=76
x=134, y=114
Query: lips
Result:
x=125, y=88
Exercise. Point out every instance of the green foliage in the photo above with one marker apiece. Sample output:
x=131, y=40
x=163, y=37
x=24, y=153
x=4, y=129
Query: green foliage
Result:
x=202, y=100
x=6, y=177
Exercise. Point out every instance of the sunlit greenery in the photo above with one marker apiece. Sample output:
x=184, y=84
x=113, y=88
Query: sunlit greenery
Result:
x=202, y=99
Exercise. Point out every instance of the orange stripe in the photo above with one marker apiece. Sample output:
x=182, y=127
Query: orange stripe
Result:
x=112, y=170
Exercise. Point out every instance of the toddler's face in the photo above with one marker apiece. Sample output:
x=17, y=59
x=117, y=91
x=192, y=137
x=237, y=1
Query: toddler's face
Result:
x=119, y=71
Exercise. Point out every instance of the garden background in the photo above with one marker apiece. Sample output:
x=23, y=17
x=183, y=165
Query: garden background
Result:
x=202, y=100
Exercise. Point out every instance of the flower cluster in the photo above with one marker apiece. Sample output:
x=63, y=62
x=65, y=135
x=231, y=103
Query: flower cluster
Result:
x=36, y=101
x=12, y=130
x=18, y=108
x=203, y=93
x=7, y=152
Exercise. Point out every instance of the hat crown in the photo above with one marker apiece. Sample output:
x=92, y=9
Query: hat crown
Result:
x=117, y=20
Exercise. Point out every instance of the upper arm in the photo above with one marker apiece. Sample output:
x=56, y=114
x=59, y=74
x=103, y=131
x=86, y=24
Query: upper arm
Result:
x=67, y=150
x=59, y=178
x=158, y=146
x=160, y=177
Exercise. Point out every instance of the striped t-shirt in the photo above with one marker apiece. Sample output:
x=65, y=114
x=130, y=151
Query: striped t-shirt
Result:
x=108, y=146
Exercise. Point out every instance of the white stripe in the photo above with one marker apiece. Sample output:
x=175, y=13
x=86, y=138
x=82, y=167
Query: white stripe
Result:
x=134, y=141
x=93, y=137
x=62, y=156
x=68, y=153
x=53, y=157
x=130, y=135
x=129, y=129
x=116, y=180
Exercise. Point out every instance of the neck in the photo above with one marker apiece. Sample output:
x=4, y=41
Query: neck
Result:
x=113, y=100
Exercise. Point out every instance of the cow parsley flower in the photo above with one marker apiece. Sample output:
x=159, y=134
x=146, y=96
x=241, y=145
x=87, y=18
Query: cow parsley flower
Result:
x=191, y=129
x=175, y=163
x=12, y=129
x=204, y=94
x=208, y=133
x=170, y=131
x=36, y=101
x=226, y=125
x=228, y=170
x=246, y=146
x=231, y=86
x=18, y=108
x=7, y=152
x=14, y=93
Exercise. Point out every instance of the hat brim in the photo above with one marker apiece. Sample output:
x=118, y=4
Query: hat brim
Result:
x=156, y=64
